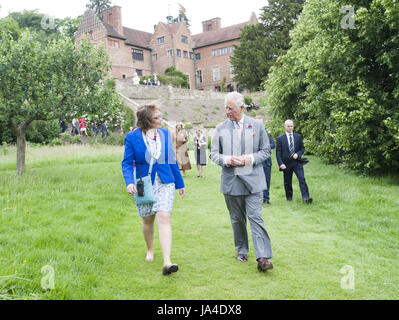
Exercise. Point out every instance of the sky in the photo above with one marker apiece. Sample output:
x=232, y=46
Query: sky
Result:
x=144, y=14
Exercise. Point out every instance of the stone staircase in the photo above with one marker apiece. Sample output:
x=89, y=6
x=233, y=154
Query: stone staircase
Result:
x=201, y=108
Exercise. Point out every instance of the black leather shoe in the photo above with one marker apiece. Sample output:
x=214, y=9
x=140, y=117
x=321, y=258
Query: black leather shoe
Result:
x=308, y=200
x=289, y=199
x=169, y=269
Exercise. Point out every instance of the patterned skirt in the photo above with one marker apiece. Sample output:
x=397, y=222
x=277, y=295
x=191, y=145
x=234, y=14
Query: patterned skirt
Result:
x=164, y=196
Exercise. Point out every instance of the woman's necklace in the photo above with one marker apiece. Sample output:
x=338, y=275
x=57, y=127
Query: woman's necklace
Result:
x=152, y=144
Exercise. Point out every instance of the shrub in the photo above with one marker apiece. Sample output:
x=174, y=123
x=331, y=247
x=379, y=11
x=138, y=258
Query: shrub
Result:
x=4, y=148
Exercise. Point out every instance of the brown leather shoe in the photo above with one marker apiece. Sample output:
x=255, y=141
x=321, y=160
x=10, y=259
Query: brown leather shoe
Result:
x=242, y=257
x=264, y=264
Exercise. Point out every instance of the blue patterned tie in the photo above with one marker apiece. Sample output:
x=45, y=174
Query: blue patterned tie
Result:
x=292, y=150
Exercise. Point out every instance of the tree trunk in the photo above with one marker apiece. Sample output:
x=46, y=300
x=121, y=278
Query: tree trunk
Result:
x=20, y=132
x=21, y=147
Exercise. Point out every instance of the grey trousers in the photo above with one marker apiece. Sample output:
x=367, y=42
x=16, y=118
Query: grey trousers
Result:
x=241, y=207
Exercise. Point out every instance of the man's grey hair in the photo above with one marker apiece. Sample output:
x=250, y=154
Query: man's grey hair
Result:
x=235, y=97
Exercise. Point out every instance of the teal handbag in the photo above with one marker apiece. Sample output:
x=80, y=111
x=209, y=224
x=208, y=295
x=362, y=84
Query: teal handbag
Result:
x=146, y=194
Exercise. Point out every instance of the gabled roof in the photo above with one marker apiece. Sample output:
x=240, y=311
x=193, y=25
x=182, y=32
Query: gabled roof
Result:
x=217, y=36
x=112, y=32
x=137, y=38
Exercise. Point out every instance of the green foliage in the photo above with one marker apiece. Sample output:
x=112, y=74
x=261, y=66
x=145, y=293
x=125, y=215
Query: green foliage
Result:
x=261, y=44
x=10, y=25
x=128, y=118
x=113, y=139
x=341, y=86
x=57, y=80
x=4, y=148
x=43, y=131
x=98, y=6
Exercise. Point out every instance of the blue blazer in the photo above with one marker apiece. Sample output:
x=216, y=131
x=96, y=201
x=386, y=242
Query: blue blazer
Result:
x=166, y=166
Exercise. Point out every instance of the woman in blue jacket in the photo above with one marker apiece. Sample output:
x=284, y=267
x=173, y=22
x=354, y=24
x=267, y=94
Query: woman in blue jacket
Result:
x=150, y=143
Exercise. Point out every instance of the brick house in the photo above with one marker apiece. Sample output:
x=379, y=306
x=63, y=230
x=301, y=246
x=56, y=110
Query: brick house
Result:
x=204, y=57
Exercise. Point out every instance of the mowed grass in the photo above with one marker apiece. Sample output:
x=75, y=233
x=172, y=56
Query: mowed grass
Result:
x=70, y=214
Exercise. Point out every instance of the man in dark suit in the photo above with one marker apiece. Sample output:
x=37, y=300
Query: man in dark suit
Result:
x=267, y=165
x=289, y=151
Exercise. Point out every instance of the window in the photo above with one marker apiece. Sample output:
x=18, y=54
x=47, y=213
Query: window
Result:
x=216, y=74
x=178, y=52
x=184, y=39
x=185, y=53
x=113, y=43
x=215, y=52
x=223, y=51
x=170, y=53
x=161, y=40
x=192, y=56
x=231, y=49
x=199, y=76
x=139, y=72
x=155, y=56
x=198, y=56
x=138, y=54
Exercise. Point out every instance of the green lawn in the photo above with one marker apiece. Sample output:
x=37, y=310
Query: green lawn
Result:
x=70, y=212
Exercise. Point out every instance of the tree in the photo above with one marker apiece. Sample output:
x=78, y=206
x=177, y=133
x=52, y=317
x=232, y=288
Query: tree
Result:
x=341, y=84
x=98, y=6
x=261, y=44
x=47, y=82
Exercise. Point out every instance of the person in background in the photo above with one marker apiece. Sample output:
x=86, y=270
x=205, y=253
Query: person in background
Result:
x=180, y=138
x=62, y=125
x=150, y=144
x=75, y=126
x=82, y=125
x=94, y=127
x=289, y=151
x=267, y=165
x=200, y=145
x=104, y=129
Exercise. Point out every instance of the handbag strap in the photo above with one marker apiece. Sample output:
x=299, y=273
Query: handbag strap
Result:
x=134, y=170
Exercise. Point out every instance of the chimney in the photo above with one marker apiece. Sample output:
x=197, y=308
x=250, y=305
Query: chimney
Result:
x=113, y=16
x=211, y=25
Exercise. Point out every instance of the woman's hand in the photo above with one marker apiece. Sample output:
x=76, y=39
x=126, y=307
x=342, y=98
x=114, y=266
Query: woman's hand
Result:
x=131, y=188
x=182, y=192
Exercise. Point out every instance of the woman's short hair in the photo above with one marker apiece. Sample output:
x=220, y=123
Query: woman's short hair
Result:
x=144, y=116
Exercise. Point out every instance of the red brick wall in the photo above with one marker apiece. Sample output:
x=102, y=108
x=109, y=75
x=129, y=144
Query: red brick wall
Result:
x=208, y=62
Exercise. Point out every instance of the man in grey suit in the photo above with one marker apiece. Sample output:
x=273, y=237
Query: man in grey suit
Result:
x=240, y=145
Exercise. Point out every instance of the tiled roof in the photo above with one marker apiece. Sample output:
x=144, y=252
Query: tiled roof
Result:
x=137, y=38
x=224, y=34
x=112, y=32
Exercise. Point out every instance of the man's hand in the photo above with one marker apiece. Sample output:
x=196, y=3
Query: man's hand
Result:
x=182, y=192
x=295, y=156
x=283, y=167
x=131, y=188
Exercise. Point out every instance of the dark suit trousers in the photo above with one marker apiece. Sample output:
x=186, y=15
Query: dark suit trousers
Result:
x=267, y=168
x=298, y=169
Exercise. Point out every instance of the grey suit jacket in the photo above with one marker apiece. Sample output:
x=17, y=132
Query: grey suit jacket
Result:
x=243, y=180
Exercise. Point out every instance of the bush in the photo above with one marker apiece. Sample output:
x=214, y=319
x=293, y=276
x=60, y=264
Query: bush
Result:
x=43, y=131
x=4, y=148
x=55, y=142
x=114, y=139
x=340, y=86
